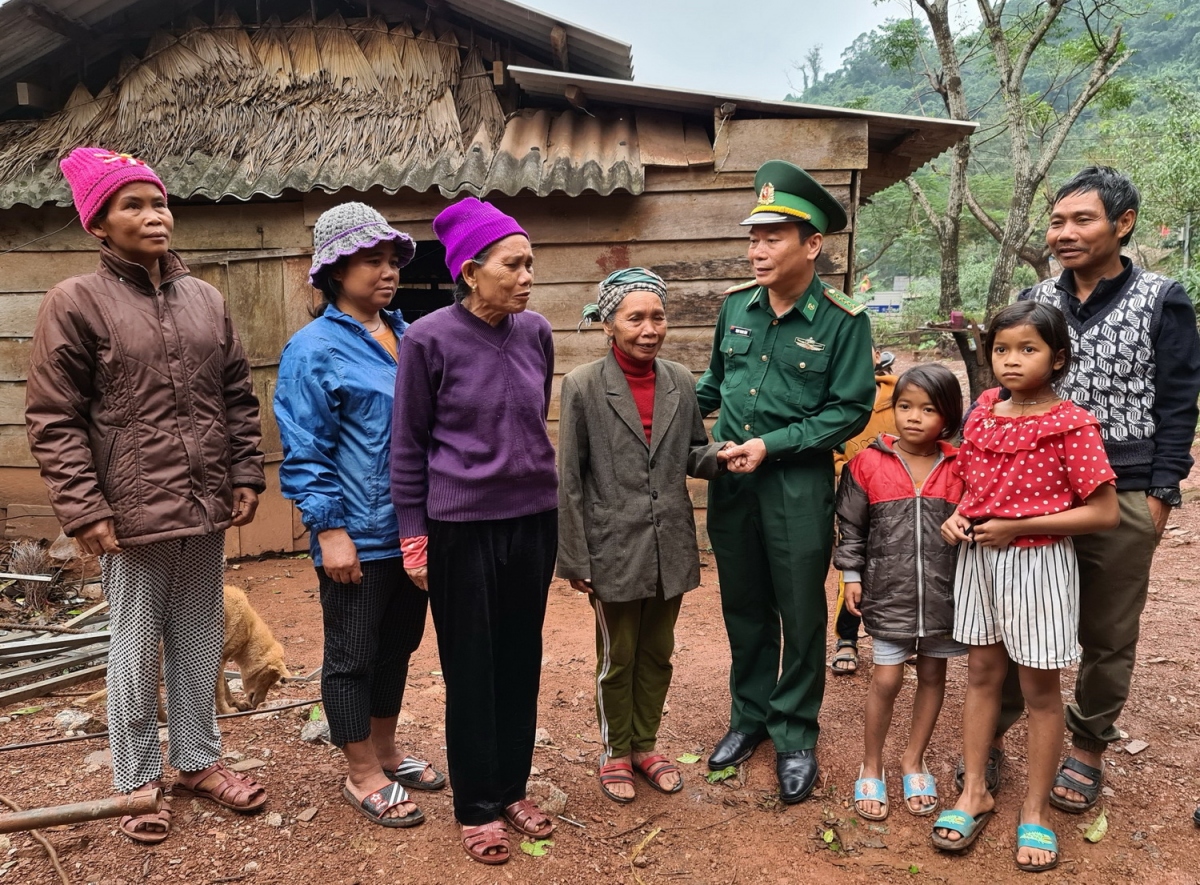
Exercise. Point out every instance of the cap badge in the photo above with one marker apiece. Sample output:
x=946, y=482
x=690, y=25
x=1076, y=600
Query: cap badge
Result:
x=766, y=196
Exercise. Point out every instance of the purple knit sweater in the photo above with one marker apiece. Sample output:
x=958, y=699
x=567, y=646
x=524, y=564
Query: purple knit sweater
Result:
x=469, y=435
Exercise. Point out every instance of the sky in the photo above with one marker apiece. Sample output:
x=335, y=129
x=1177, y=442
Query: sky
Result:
x=706, y=45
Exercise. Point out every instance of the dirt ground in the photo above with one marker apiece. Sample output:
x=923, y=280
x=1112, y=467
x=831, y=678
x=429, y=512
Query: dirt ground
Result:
x=736, y=832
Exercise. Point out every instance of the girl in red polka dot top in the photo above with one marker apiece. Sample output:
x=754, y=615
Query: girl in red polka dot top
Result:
x=1035, y=473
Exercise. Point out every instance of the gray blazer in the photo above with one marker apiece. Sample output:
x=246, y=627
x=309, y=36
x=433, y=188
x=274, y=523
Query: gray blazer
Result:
x=624, y=516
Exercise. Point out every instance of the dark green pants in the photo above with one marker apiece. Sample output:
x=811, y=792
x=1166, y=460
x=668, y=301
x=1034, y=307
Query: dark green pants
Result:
x=634, y=642
x=1114, y=575
x=772, y=531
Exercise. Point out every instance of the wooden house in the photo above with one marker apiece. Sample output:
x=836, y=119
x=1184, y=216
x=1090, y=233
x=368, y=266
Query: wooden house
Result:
x=260, y=114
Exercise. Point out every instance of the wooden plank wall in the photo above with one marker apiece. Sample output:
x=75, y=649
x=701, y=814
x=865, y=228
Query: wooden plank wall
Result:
x=684, y=226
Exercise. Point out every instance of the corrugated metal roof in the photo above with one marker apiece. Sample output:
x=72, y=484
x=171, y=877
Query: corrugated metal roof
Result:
x=24, y=42
x=903, y=144
x=543, y=151
x=587, y=51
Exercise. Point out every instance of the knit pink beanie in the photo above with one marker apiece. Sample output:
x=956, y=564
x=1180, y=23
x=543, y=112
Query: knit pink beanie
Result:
x=468, y=227
x=95, y=174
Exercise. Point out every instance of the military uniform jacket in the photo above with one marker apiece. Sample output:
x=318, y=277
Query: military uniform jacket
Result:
x=804, y=382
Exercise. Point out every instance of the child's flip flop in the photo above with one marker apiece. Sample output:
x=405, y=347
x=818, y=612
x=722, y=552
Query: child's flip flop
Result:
x=1034, y=836
x=968, y=826
x=871, y=789
x=920, y=784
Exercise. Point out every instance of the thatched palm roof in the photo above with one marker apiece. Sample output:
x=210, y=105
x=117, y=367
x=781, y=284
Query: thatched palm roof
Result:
x=221, y=111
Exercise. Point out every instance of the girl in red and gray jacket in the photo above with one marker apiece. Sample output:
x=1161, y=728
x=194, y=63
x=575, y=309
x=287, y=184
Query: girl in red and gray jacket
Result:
x=892, y=500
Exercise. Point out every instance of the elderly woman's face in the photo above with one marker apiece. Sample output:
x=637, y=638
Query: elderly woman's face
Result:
x=639, y=326
x=501, y=285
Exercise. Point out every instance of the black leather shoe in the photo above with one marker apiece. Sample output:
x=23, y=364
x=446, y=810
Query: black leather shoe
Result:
x=733, y=749
x=797, y=773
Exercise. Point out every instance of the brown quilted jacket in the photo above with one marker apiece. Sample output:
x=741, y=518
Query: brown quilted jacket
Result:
x=139, y=404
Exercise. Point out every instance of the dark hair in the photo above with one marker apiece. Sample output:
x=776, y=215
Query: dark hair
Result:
x=461, y=289
x=324, y=282
x=1116, y=192
x=1047, y=321
x=943, y=390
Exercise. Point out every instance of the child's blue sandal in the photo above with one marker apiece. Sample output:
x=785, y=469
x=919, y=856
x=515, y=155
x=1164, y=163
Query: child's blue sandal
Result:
x=871, y=789
x=1035, y=836
x=919, y=785
x=968, y=827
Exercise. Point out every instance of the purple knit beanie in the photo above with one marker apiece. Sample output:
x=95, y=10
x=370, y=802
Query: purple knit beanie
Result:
x=95, y=174
x=468, y=227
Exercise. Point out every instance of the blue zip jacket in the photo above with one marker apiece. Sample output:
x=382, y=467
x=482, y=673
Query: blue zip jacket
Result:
x=333, y=403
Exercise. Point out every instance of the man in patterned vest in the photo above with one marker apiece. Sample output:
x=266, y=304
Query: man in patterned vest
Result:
x=1136, y=367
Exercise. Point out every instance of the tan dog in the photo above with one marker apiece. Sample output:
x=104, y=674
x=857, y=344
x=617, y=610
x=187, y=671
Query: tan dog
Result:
x=250, y=644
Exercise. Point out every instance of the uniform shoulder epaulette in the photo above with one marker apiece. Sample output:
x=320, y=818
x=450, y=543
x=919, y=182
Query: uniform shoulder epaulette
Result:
x=844, y=301
x=739, y=287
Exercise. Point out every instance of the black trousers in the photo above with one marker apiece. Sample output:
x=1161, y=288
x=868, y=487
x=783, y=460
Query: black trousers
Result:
x=488, y=583
x=371, y=630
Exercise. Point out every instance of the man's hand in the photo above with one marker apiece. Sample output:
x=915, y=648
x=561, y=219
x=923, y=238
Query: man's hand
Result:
x=99, y=537
x=1160, y=512
x=747, y=457
x=245, y=503
x=955, y=529
x=581, y=586
x=853, y=597
x=339, y=557
x=419, y=576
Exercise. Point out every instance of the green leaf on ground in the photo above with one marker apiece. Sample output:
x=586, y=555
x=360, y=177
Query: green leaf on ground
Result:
x=913, y=868
x=27, y=711
x=688, y=758
x=828, y=836
x=1098, y=828
x=315, y=713
x=538, y=848
x=715, y=777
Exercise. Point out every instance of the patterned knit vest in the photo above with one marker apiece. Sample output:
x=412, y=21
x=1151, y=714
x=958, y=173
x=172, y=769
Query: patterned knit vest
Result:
x=1112, y=372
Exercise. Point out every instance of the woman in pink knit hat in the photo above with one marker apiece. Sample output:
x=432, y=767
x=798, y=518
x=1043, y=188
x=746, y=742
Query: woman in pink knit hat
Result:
x=476, y=497
x=142, y=417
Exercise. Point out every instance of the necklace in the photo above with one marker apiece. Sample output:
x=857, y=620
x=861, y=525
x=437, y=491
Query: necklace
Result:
x=378, y=326
x=1033, y=402
x=928, y=454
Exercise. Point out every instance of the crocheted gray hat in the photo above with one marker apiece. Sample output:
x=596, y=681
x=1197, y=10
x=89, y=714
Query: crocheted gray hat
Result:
x=349, y=228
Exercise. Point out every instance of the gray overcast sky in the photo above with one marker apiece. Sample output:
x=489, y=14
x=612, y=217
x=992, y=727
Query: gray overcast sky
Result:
x=741, y=48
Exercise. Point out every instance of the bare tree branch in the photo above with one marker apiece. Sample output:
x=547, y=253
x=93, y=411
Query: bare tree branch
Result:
x=924, y=203
x=989, y=224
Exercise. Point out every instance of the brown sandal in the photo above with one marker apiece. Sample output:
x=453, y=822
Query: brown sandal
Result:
x=480, y=840
x=654, y=768
x=152, y=827
x=613, y=773
x=529, y=820
x=234, y=791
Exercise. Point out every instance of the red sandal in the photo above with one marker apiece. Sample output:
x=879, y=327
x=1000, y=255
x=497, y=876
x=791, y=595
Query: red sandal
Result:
x=652, y=768
x=493, y=837
x=529, y=820
x=234, y=791
x=612, y=773
x=152, y=827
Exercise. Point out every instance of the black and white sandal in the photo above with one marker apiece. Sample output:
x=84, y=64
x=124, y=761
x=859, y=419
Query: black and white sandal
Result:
x=409, y=773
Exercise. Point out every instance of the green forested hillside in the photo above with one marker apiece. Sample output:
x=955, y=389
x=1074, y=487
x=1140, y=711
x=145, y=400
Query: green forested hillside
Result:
x=1146, y=120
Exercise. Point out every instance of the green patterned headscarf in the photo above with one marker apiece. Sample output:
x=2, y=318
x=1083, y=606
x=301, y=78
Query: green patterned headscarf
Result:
x=616, y=286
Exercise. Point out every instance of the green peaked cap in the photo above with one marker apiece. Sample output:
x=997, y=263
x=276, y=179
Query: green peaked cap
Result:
x=788, y=193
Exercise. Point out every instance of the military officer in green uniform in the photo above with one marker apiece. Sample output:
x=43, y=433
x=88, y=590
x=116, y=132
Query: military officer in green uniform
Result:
x=791, y=374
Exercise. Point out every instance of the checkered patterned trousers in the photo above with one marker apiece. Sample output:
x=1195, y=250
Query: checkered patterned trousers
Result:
x=168, y=592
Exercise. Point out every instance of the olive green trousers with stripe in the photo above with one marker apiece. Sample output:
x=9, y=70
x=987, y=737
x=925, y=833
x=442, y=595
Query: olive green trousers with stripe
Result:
x=634, y=643
x=772, y=532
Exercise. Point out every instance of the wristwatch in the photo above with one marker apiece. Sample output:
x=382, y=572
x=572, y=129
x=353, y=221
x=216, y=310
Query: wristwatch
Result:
x=1169, y=495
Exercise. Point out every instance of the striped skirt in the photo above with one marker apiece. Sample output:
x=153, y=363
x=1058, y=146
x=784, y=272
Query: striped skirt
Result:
x=1025, y=597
